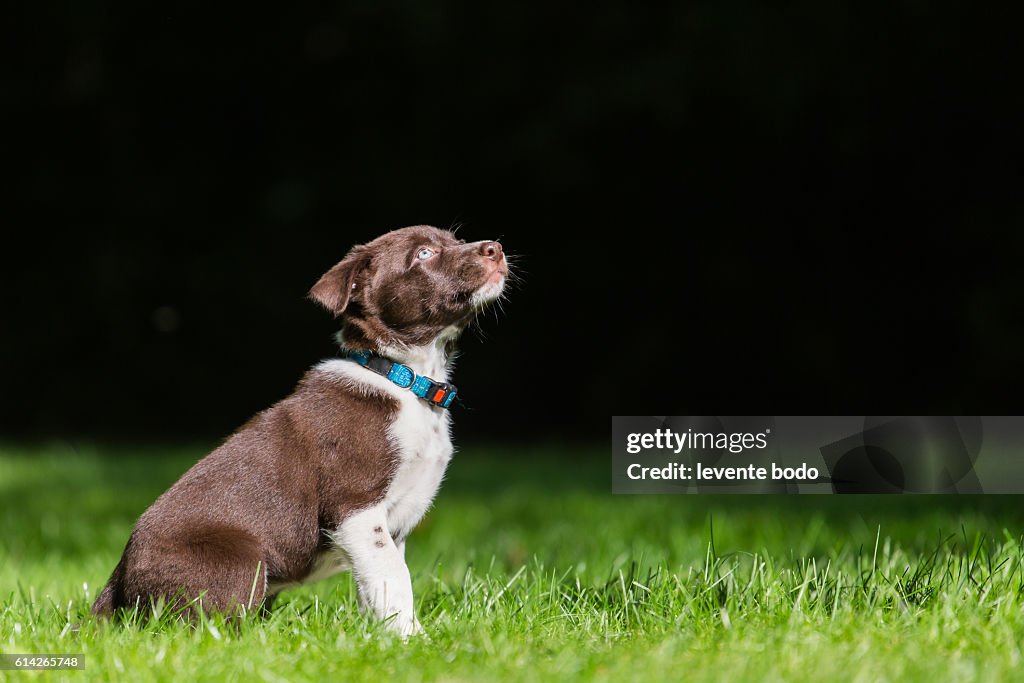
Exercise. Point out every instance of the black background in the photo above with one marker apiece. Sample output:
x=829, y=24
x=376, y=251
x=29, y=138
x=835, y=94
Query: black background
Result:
x=717, y=208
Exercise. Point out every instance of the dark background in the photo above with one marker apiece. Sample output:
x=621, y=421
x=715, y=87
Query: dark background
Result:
x=718, y=208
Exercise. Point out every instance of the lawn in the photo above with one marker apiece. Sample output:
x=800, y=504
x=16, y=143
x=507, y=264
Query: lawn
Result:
x=529, y=569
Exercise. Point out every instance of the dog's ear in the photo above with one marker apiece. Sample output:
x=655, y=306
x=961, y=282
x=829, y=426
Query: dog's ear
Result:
x=334, y=290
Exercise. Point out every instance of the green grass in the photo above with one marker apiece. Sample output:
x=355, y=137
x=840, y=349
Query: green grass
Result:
x=528, y=569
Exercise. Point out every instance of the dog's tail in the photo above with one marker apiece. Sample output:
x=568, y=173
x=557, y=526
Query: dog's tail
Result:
x=104, y=605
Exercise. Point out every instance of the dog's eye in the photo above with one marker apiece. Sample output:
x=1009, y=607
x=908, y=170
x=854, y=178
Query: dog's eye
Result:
x=424, y=253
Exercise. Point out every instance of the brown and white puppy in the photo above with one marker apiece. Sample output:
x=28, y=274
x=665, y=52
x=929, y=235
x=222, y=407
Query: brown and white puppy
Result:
x=335, y=476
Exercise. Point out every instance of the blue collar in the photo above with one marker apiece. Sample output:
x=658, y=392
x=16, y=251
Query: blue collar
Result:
x=438, y=394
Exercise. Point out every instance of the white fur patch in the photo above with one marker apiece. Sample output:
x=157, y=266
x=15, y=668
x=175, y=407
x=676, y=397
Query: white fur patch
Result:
x=420, y=434
x=378, y=565
x=488, y=293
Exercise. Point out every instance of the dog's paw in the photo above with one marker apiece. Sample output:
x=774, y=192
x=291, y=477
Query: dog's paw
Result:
x=406, y=627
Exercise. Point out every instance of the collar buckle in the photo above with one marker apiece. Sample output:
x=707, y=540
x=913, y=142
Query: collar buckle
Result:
x=441, y=394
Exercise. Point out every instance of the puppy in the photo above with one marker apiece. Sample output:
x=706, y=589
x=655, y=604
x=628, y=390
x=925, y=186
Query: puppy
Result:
x=335, y=476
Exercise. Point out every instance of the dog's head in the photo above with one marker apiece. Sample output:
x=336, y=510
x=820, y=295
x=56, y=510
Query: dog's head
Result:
x=408, y=286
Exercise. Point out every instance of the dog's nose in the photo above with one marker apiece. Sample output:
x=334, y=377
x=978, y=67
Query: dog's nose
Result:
x=491, y=250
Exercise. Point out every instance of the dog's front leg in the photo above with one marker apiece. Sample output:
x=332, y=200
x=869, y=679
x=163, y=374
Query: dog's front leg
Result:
x=379, y=568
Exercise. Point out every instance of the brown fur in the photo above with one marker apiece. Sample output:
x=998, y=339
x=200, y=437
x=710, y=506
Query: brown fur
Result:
x=260, y=501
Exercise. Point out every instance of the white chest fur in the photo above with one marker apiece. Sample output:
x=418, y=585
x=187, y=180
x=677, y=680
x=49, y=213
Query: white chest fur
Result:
x=423, y=445
x=420, y=434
